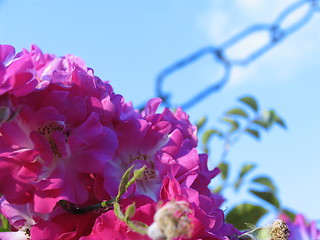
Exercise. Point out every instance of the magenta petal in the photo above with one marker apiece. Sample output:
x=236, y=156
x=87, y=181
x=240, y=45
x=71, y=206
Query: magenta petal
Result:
x=109, y=108
x=56, y=99
x=131, y=134
x=170, y=188
x=5, y=84
x=78, y=113
x=152, y=106
x=174, y=143
x=15, y=135
x=93, y=146
x=16, y=179
x=42, y=146
x=6, y=53
x=47, y=114
x=26, y=88
x=44, y=201
x=192, y=195
x=94, y=158
x=90, y=129
x=156, y=137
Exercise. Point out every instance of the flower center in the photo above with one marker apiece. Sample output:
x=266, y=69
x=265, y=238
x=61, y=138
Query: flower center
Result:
x=48, y=129
x=144, y=159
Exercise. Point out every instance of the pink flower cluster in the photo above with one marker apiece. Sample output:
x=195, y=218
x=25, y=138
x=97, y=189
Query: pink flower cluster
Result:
x=71, y=138
x=300, y=229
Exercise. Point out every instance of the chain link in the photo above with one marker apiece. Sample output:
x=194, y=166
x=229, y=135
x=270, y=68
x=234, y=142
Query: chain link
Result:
x=276, y=31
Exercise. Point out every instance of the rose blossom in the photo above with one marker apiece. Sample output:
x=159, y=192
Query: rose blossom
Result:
x=59, y=137
x=73, y=138
x=159, y=141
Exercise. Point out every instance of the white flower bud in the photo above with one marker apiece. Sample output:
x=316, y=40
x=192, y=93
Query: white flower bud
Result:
x=171, y=221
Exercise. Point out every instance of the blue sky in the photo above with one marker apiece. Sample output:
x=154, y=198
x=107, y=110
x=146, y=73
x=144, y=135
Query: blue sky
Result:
x=129, y=42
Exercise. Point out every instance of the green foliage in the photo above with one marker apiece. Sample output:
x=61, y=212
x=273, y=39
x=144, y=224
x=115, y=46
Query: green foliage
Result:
x=4, y=227
x=201, y=122
x=208, y=134
x=224, y=168
x=267, y=196
x=237, y=112
x=217, y=189
x=253, y=133
x=125, y=183
x=261, y=123
x=130, y=211
x=280, y=121
x=245, y=213
x=244, y=171
x=234, y=125
x=118, y=212
x=267, y=182
x=251, y=102
x=245, y=119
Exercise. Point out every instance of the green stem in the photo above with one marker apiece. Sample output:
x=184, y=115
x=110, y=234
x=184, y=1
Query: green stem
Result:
x=73, y=208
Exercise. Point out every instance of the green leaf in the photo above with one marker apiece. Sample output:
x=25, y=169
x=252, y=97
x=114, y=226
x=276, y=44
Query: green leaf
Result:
x=261, y=123
x=290, y=214
x=272, y=117
x=253, y=133
x=266, y=181
x=245, y=213
x=237, y=112
x=245, y=169
x=217, y=189
x=224, y=168
x=234, y=124
x=280, y=122
x=138, y=227
x=238, y=184
x=118, y=212
x=5, y=224
x=208, y=134
x=267, y=196
x=251, y=102
x=130, y=211
x=205, y=149
x=201, y=122
x=250, y=226
x=123, y=183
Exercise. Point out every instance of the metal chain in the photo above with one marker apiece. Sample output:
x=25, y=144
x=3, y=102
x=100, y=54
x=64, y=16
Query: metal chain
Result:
x=277, y=33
